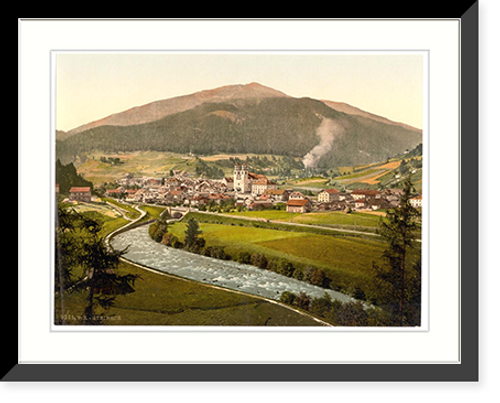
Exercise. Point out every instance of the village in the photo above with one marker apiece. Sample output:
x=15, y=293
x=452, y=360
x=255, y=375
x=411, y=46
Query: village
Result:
x=243, y=191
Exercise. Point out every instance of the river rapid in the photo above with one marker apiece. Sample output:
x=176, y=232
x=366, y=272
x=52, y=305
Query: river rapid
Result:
x=233, y=275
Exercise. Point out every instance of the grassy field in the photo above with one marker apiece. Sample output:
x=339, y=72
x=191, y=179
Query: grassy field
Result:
x=243, y=221
x=313, y=182
x=276, y=215
x=164, y=301
x=126, y=209
x=104, y=211
x=383, y=174
x=147, y=163
x=109, y=216
x=152, y=212
x=337, y=218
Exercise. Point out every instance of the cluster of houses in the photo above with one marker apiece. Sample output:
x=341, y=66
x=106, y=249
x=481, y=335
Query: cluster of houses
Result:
x=246, y=189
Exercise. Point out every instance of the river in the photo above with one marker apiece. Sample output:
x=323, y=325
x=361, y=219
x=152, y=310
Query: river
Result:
x=236, y=276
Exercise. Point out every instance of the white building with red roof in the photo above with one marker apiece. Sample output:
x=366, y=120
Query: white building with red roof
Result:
x=327, y=195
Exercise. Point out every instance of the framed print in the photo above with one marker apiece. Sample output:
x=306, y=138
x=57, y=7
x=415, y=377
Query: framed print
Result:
x=222, y=203
x=270, y=223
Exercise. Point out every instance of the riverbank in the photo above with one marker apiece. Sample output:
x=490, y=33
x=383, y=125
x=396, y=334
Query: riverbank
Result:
x=228, y=274
x=166, y=300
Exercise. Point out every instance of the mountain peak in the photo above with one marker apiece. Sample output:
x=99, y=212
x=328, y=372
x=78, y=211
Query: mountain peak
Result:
x=255, y=85
x=233, y=91
x=160, y=109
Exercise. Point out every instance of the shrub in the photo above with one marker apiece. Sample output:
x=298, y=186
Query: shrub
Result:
x=272, y=265
x=258, y=260
x=322, y=306
x=359, y=293
x=157, y=230
x=317, y=277
x=176, y=243
x=303, y=301
x=168, y=238
x=216, y=252
x=285, y=268
x=243, y=257
x=352, y=314
x=297, y=274
x=288, y=297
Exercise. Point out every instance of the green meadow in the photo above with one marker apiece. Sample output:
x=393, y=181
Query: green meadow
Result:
x=334, y=218
x=161, y=300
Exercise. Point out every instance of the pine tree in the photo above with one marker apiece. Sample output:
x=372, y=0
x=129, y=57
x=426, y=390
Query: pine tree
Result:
x=192, y=240
x=83, y=247
x=399, y=229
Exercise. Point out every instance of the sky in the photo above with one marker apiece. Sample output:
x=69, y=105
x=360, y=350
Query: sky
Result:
x=91, y=86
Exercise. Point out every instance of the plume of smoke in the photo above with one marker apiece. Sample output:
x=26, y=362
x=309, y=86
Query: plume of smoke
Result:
x=327, y=131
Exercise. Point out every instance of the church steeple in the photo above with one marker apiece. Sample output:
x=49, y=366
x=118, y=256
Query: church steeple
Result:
x=241, y=180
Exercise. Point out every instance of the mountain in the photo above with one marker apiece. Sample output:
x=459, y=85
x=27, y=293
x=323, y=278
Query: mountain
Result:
x=159, y=109
x=248, y=119
x=352, y=110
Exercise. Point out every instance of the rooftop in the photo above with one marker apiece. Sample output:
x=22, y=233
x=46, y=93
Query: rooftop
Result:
x=275, y=191
x=297, y=202
x=263, y=181
x=367, y=192
x=79, y=189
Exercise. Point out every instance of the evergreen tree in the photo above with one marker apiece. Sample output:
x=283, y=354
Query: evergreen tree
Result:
x=80, y=245
x=399, y=230
x=192, y=240
x=67, y=176
x=65, y=248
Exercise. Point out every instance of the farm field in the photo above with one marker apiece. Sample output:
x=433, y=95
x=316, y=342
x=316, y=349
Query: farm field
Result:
x=276, y=215
x=126, y=209
x=316, y=183
x=144, y=163
x=338, y=218
x=317, y=218
x=108, y=215
x=382, y=174
x=367, y=174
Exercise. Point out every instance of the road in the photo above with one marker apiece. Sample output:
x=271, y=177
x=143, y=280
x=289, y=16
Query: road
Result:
x=131, y=222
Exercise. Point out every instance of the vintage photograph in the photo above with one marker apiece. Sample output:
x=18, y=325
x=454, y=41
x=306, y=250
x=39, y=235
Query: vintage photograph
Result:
x=278, y=189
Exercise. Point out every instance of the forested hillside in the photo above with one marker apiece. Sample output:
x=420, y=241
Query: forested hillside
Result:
x=278, y=126
x=67, y=177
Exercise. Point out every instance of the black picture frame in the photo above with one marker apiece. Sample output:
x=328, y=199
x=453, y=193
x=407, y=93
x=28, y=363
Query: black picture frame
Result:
x=465, y=371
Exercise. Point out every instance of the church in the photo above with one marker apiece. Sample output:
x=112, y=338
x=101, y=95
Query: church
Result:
x=248, y=182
